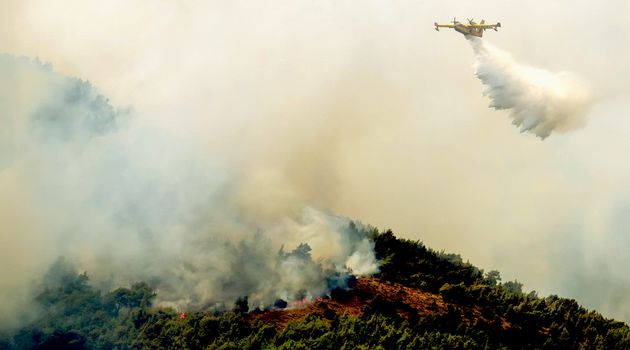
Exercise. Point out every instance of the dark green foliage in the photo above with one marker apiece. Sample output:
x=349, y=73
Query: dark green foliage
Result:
x=414, y=265
x=74, y=315
x=480, y=313
x=532, y=322
x=140, y=295
x=241, y=305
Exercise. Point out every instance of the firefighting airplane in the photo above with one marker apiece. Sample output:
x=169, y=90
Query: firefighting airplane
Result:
x=471, y=28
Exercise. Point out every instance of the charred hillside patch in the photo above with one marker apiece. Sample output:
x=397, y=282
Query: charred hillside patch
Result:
x=420, y=299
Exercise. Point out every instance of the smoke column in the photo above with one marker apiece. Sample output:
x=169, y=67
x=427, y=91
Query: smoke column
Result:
x=127, y=203
x=539, y=101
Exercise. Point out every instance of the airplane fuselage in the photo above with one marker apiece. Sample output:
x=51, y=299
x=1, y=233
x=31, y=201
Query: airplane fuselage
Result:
x=467, y=30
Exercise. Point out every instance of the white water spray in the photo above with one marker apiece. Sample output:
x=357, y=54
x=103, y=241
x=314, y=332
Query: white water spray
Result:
x=539, y=101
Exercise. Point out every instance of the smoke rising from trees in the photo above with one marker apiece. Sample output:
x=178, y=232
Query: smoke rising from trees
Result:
x=126, y=203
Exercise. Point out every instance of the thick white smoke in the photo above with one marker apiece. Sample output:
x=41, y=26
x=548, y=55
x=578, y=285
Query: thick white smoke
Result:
x=125, y=203
x=539, y=101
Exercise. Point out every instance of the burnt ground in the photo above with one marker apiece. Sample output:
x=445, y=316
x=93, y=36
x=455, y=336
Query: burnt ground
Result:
x=371, y=292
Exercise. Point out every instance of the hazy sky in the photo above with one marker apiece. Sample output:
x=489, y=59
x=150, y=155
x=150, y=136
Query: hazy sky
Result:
x=361, y=108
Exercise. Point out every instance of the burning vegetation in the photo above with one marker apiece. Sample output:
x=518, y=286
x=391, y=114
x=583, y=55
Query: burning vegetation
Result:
x=419, y=299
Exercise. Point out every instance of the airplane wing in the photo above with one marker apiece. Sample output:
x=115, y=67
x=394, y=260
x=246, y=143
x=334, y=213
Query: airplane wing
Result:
x=485, y=26
x=444, y=25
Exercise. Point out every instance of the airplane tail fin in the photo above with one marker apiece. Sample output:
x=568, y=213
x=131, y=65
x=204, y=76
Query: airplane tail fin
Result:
x=437, y=28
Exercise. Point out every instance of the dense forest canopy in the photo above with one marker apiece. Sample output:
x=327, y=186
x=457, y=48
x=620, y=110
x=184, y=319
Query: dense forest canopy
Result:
x=464, y=308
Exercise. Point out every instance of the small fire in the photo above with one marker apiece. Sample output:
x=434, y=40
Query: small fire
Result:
x=298, y=304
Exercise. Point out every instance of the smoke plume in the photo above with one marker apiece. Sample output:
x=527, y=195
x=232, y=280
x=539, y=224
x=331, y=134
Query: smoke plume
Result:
x=539, y=101
x=345, y=106
x=128, y=203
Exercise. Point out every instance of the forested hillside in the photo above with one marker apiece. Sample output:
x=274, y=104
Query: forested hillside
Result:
x=420, y=299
